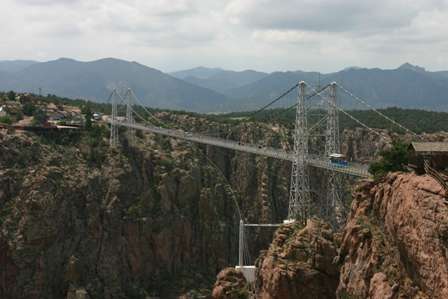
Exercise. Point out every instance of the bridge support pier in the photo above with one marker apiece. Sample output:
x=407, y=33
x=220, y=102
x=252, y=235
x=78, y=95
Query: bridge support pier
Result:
x=241, y=245
x=299, y=197
x=333, y=207
x=248, y=270
x=113, y=140
x=129, y=115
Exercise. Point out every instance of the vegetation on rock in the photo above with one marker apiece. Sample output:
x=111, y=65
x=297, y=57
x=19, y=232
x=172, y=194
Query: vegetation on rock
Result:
x=73, y=211
x=6, y=119
x=39, y=117
x=299, y=263
x=11, y=95
x=28, y=108
x=154, y=209
x=394, y=159
x=419, y=121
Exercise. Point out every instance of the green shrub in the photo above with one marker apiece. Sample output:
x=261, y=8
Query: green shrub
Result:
x=167, y=163
x=87, y=116
x=139, y=134
x=18, y=116
x=40, y=117
x=96, y=134
x=94, y=139
x=394, y=159
x=6, y=120
x=28, y=109
x=11, y=96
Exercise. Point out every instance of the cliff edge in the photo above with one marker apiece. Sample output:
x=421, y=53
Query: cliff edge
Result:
x=396, y=239
x=393, y=245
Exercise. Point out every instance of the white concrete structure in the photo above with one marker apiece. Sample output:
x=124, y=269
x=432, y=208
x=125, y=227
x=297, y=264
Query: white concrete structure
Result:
x=248, y=272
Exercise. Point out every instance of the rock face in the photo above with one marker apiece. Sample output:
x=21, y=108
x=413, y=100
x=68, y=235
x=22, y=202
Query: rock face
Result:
x=230, y=284
x=78, y=219
x=299, y=264
x=395, y=240
x=361, y=145
x=394, y=245
x=154, y=219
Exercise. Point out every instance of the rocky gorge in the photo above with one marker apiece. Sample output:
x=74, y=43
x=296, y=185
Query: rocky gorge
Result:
x=156, y=218
x=393, y=245
x=153, y=219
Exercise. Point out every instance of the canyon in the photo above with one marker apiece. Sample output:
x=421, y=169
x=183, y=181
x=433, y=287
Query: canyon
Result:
x=156, y=219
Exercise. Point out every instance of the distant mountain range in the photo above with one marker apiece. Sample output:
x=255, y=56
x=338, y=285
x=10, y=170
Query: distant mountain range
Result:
x=217, y=90
x=95, y=80
x=407, y=86
x=218, y=79
x=197, y=72
x=15, y=65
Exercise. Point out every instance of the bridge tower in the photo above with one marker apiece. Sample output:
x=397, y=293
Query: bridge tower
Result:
x=129, y=115
x=299, y=197
x=113, y=121
x=332, y=146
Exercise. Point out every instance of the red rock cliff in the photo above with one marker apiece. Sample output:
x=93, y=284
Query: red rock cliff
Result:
x=395, y=241
x=299, y=263
x=394, y=245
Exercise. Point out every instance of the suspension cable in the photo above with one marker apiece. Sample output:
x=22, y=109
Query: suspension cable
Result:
x=275, y=100
x=348, y=114
x=317, y=124
x=232, y=193
x=246, y=251
x=144, y=108
x=109, y=99
x=375, y=110
x=121, y=98
x=141, y=117
x=316, y=93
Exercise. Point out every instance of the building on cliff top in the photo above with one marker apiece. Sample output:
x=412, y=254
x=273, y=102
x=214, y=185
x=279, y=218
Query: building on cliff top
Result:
x=436, y=153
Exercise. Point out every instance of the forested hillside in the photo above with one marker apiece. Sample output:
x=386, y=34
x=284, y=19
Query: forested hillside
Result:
x=419, y=121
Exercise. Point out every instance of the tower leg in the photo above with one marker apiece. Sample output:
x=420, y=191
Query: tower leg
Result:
x=129, y=115
x=299, y=198
x=113, y=140
x=333, y=206
x=241, y=245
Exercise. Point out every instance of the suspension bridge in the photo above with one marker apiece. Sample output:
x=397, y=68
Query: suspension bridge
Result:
x=354, y=169
x=300, y=199
x=300, y=157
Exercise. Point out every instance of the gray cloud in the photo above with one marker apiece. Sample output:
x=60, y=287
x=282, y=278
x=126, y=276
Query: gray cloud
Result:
x=262, y=34
x=330, y=15
x=47, y=2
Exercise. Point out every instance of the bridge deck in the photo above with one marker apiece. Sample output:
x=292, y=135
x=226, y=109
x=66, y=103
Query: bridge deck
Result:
x=353, y=169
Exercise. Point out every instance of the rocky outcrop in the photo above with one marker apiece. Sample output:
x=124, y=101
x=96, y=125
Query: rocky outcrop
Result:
x=230, y=284
x=77, y=294
x=118, y=230
x=299, y=263
x=72, y=214
x=394, y=245
x=362, y=145
x=395, y=240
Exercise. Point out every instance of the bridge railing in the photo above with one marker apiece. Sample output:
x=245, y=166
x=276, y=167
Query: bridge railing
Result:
x=315, y=161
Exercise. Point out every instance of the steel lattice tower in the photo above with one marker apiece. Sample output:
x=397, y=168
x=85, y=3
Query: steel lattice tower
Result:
x=129, y=115
x=332, y=146
x=299, y=197
x=113, y=125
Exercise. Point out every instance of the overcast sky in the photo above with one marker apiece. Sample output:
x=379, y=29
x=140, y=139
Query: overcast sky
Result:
x=267, y=35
